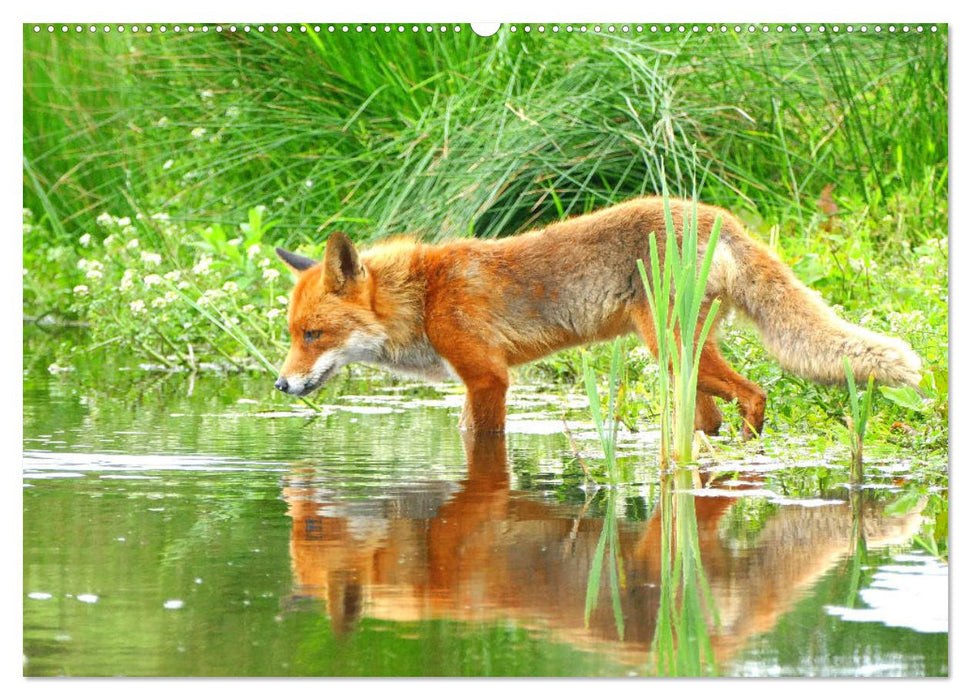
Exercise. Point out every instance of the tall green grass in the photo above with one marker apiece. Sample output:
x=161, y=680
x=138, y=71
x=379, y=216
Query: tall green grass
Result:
x=446, y=133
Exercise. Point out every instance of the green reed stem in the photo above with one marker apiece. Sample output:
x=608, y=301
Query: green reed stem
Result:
x=857, y=421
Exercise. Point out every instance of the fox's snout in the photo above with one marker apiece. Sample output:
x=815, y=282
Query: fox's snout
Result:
x=301, y=385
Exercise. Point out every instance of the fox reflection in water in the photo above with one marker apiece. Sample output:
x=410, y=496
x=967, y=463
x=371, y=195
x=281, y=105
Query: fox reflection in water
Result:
x=482, y=552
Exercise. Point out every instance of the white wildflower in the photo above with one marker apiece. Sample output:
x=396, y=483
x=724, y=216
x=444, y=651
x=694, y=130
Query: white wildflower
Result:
x=247, y=308
x=282, y=300
x=126, y=280
x=253, y=251
x=137, y=307
x=162, y=122
x=164, y=300
x=151, y=258
x=270, y=273
x=264, y=262
x=81, y=290
x=110, y=240
x=160, y=216
x=234, y=241
x=232, y=112
x=133, y=243
x=198, y=132
x=168, y=164
x=206, y=95
x=273, y=313
x=308, y=184
x=183, y=285
x=104, y=219
x=202, y=267
x=84, y=264
x=85, y=240
x=94, y=274
x=152, y=280
x=173, y=275
x=230, y=287
x=123, y=221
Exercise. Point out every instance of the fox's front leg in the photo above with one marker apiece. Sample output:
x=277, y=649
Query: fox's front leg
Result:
x=485, y=395
x=485, y=404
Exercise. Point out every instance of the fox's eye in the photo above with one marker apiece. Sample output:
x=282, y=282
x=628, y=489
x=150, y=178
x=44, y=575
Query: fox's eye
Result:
x=310, y=336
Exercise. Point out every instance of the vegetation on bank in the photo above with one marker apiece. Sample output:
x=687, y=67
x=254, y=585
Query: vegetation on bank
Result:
x=160, y=171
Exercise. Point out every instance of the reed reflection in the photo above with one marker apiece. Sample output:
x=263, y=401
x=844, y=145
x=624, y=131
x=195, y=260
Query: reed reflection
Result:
x=688, y=594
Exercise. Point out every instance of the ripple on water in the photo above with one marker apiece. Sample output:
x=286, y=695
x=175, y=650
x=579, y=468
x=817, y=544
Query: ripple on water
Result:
x=49, y=465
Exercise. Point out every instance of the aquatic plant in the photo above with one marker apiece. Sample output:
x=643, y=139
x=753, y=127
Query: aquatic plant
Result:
x=608, y=547
x=679, y=340
x=857, y=421
x=606, y=420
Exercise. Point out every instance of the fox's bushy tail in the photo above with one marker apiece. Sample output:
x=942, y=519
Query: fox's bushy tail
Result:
x=801, y=331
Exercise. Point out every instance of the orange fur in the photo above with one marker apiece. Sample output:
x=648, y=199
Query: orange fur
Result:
x=474, y=308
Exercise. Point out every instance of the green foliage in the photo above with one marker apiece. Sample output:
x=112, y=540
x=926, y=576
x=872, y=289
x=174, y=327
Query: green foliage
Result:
x=150, y=286
x=435, y=132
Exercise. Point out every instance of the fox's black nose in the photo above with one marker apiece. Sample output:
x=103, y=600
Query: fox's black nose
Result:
x=282, y=384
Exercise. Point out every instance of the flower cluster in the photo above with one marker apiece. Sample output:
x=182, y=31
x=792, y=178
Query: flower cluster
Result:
x=161, y=300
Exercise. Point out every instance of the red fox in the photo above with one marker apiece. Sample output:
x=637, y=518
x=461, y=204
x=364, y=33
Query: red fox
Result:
x=471, y=309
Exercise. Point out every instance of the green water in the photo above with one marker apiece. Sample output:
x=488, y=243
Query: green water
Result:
x=202, y=525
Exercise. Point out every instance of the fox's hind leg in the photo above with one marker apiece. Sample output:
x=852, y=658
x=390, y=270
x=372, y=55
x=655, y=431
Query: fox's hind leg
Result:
x=707, y=416
x=717, y=378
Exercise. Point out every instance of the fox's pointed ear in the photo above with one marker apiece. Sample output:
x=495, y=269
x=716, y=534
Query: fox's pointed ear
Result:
x=341, y=262
x=297, y=263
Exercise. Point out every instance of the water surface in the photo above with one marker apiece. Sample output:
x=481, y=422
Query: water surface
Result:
x=202, y=525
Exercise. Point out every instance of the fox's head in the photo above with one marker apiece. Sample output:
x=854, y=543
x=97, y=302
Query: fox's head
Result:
x=330, y=317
